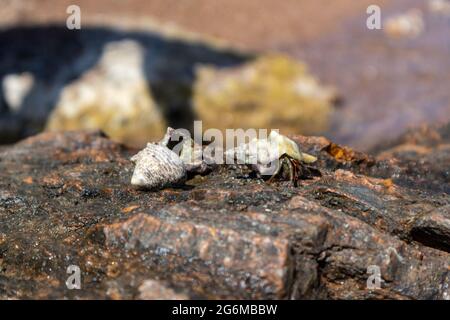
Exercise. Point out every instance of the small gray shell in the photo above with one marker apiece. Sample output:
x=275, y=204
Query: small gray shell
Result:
x=157, y=167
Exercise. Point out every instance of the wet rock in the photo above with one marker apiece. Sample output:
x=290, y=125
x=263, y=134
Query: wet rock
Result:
x=350, y=247
x=420, y=156
x=254, y=264
x=65, y=199
x=433, y=228
x=154, y=290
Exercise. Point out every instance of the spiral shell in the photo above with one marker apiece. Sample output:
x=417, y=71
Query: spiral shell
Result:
x=157, y=167
x=191, y=153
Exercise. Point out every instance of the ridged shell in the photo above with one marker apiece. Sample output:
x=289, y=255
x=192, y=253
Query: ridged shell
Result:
x=191, y=153
x=157, y=167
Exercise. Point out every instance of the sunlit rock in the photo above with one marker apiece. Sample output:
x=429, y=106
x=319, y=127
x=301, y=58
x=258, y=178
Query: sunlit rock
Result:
x=272, y=91
x=114, y=96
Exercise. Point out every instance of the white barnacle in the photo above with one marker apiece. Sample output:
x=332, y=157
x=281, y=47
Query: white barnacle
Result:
x=157, y=167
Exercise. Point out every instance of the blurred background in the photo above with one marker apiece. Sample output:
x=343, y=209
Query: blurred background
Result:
x=307, y=67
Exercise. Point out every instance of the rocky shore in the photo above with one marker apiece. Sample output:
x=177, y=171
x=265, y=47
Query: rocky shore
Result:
x=66, y=199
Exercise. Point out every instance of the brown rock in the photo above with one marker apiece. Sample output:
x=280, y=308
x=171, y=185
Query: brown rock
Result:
x=433, y=228
x=224, y=235
x=225, y=252
x=155, y=290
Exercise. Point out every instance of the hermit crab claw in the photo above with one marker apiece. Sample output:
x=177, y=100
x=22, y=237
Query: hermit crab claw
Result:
x=293, y=170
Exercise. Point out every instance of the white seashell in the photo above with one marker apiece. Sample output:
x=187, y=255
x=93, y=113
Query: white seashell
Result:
x=157, y=167
x=189, y=151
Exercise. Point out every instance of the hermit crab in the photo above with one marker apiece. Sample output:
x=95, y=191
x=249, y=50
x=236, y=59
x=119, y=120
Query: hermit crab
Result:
x=275, y=157
x=171, y=161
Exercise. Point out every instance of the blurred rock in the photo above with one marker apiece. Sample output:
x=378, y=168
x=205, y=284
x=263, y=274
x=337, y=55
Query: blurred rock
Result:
x=113, y=96
x=273, y=92
x=433, y=228
x=130, y=84
x=440, y=7
x=66, y=199
x=15, y=88
x=133, y=85
x=424, y=152
x=155, y=290
x=408, y=25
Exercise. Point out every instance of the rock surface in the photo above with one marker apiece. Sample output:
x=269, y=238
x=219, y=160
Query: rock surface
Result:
x=66, y=199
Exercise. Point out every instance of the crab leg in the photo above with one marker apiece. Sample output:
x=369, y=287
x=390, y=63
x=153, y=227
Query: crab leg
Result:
x=277, y=171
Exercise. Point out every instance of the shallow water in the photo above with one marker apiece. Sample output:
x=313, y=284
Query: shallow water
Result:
x=387, y=85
